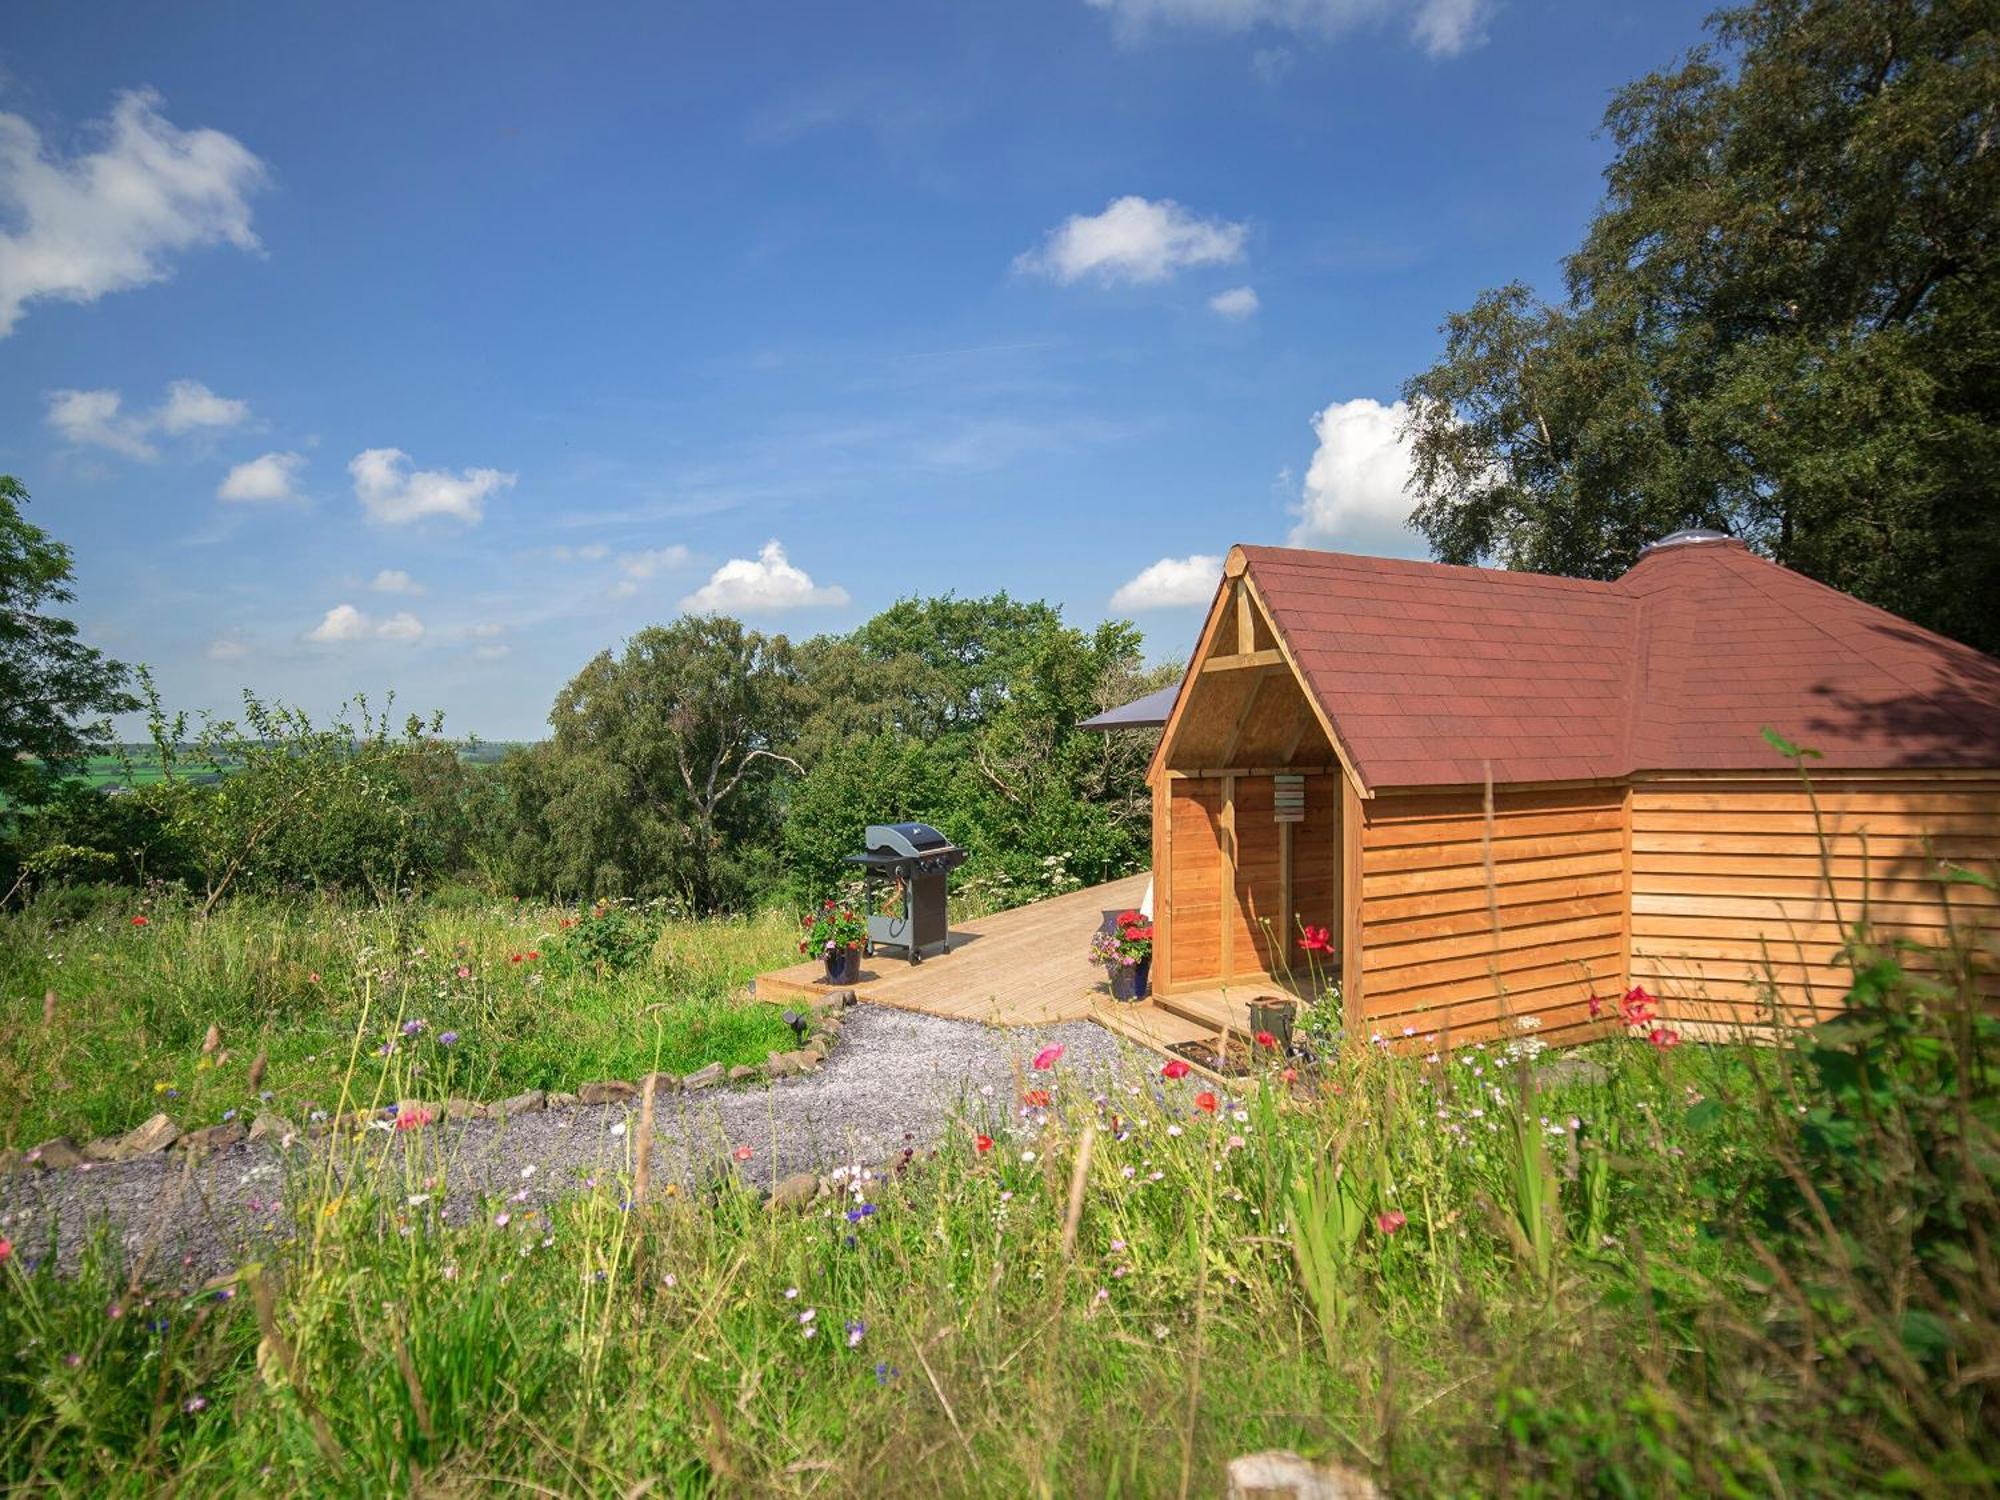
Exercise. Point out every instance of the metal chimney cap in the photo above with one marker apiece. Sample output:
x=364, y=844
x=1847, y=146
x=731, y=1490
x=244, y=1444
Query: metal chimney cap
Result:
x=1689, y=537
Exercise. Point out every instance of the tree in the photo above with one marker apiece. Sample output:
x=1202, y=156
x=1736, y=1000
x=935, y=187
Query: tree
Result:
x=1784, y=321
x=658, y=776
x=49, y=680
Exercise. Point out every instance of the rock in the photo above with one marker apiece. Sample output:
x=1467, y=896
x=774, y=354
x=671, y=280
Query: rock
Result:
x=743, y=1073
x=563, y=1101
x=829, y=1026
x=519, y=1104
x=794, y=1192
x=607, y=1091
x=841, y=999
x=456, y=1108
x=1570, y=1070
x=57, y=1155
x=212, y=1137
x=272, y=1127
x=816, y=1049
x=1280, y=1475
x=155, y=1134
x=705, y=1078
x=663, y=1084
x=782, y=1064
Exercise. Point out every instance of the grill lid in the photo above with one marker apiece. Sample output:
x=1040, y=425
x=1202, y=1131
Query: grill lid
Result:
x=906, y=839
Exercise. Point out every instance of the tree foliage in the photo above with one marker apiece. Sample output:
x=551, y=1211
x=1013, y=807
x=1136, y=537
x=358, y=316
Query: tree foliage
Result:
x=1783, y=321
x=49, y=680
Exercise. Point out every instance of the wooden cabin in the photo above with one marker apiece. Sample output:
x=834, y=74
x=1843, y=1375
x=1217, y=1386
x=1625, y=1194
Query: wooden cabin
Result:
x=1346, y=722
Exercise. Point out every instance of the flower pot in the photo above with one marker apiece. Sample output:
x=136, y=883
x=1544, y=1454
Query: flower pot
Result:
x=1275, y=1014
x=843, y=966
x=1132, y=981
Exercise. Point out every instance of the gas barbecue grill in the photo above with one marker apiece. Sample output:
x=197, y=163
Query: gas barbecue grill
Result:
x=904, y=870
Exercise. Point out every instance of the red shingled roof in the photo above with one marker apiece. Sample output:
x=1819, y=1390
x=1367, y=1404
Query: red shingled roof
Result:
x=1430, y=672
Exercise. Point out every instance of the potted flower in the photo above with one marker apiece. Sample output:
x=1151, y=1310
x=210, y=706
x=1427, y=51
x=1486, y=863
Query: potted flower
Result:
x=1127, y=952
x=835, y=934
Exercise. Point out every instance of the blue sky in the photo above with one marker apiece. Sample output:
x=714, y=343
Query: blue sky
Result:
x=437, y=347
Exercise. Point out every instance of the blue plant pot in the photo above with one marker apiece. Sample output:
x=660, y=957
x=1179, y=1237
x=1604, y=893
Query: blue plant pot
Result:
x=1132, y=981
x=844, y=967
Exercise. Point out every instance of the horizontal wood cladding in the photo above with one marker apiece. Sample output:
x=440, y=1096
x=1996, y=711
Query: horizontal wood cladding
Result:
x=1466, y=937
x=1742, y=893
x=1194, y=879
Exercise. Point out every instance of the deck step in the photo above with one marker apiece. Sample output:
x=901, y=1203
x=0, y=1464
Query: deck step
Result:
x=1152, y=1025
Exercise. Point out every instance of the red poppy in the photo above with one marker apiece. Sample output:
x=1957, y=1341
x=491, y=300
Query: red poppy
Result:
x=1316, y=939
x=744, y=1153
x=1662, y=1038
x=1638, y=1007
x=142, y=921
x=1205, y=1102
x=533, y=955
x=410, y=1119
x=1036, y=1098
x=1048, y=1057
x=1176, y=1068
x=1390, y=1220
x=1596, y=1006
x=513, y=958
x=982, y=1144
x=1290, y=1075
x=1267, y=1041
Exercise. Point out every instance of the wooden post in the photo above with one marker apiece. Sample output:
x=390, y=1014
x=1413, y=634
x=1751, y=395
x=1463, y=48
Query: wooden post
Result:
x=1225, y=838
x=1163, y=884
x=1350, y=889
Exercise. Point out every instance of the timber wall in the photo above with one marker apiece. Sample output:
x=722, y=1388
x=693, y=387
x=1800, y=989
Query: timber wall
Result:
x=1552, y=930
x=1731, y=897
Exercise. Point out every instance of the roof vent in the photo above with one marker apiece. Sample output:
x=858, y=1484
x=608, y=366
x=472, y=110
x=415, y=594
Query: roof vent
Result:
x=1685, y=538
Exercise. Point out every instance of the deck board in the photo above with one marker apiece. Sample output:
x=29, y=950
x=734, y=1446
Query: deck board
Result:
x=1027, y=967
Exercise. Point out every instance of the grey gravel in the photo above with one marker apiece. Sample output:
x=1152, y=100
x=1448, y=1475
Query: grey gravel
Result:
x=891, y=1086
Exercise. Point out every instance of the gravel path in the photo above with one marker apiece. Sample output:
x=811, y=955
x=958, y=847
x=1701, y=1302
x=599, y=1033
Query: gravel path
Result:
x=894, y=1081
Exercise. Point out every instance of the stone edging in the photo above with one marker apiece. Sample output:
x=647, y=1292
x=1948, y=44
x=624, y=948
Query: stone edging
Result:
x=160, y=1134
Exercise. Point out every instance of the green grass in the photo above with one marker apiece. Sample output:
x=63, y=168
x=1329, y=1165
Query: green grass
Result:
x=1709, y=1270
x=312, y=987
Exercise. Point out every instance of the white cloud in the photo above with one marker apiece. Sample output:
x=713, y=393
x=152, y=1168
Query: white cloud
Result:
x=394, y=494
x=110, y=219
x=1355, y=490
x=190, y=405
x=1238, y=303
x=98, y=418
x=1170, y=583
x=758, y=585
x=491, y=652
x=1134, y=239
x=225, y=648
x=92, y=417
x=401, y=626
x=658, y=560
x=594, y=552
x=268, y=477
x=1443, y=28
x=395, y=581
x=346, y=623
x=342, y=623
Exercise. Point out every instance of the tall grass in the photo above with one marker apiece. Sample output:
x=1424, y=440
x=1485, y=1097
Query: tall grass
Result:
x=106, y=1002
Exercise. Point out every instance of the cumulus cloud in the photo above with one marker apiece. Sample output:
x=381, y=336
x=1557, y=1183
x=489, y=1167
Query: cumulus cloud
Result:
x=1134, y=239
x=760, y=585
x=99, y=419
x=110, y=219
x=344, y=623
x=1170, y=583
x=271, y=476
x=190, y=406
x=1236, y=304
x=395, y=581
x=95, y=418
x=1356, y=489
x=393, y=494
x=1443, y=28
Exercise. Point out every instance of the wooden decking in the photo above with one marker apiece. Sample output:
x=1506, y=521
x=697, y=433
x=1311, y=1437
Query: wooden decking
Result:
x=1025, y=967
x=1029, y=967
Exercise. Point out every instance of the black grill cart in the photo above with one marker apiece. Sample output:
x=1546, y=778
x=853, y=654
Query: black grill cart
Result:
x=903, y=877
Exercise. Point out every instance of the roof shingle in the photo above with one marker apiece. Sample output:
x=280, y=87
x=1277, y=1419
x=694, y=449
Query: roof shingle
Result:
x=1426, y=668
